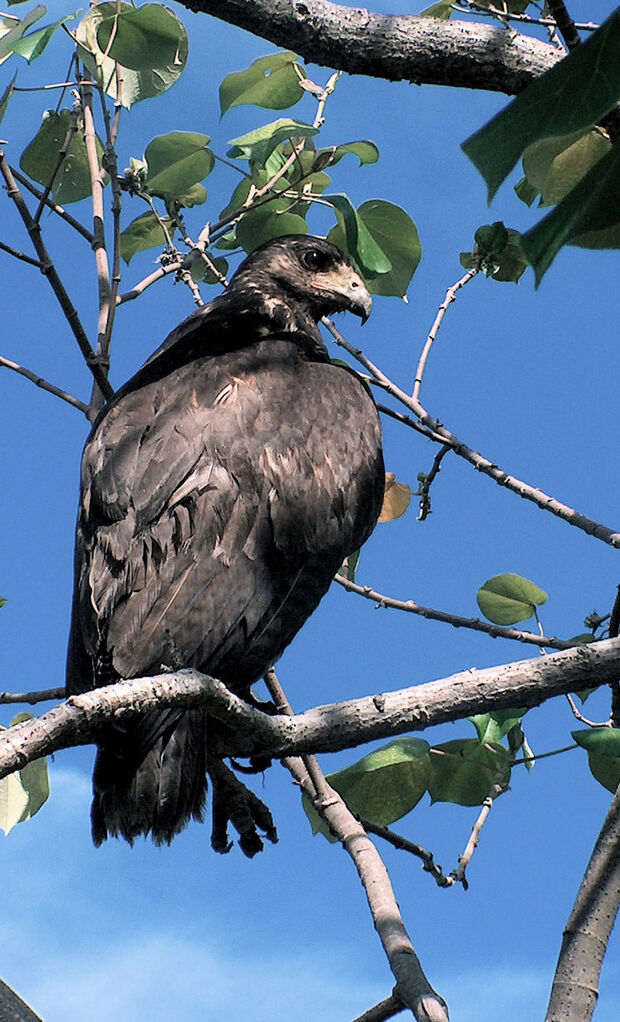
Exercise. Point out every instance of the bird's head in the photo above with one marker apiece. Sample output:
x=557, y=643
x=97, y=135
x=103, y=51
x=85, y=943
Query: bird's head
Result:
x=309, y=271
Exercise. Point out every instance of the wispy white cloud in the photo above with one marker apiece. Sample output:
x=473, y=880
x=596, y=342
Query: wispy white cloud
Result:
x=166, y=976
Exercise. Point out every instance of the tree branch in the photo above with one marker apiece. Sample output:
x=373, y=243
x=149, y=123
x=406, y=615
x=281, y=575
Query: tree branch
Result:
x=399, y=48
x=479, y=462
x=40, y=382
x=329, y=728
x=495, y=631
x=412, y=987
x=49, y=271
x=575, y=985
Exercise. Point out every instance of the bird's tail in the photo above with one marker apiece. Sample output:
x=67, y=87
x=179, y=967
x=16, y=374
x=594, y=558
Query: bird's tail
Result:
x=150, y=776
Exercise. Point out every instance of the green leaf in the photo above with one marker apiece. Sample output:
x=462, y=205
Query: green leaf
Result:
x=136, y=84
x=497, y=252
x=506, y=599
x=349, y=566
x=12, y=29
x=589, y=215
x=525, y=191
x=24, y=792
x=72, y=182
x=270, y=81
x=572, y=95
x=6, y=95
x=553, y=166
x=463, y=771
x=365, y=151
x=442, y=10
x=603, y=747
x=203, y=274
x=383, y=786
x=143, y=38
x=492, y=727
x=144, y=232
x=31, y=46
x=358, y=241
x=2, y=601
x=266, y=222
x=395, y=233
x=176, y=163
x=258, y=145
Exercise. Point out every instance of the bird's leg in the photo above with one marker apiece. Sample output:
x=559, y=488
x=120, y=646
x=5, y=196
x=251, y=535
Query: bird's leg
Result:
x=236, y=804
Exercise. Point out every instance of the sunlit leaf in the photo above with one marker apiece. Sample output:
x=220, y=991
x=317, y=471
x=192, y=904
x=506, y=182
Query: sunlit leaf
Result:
x=12, y=29
x=258, y=145
x=572, y=95
x=31, y=46
x=349, y=566
x=506, y=599
x=270, y=81
x=553, y=166
x=365, y=151
x=142, y=38
x=72, y=182
x=396, y=499
x=24, y=792
x=463, y=771
x=358, y=242
x=144, y=232
x=592, y=208
x=442, y=10
x=136, y=85
x=383, y=786
x=492, y=727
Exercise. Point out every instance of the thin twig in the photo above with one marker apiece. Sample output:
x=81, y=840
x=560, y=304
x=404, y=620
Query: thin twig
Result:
x=425, y=482
x=580, y=717
x=413, y=988
x=97, y=183
x=451, y=294
x=566, y=25
x=402, y=844
x=49, y=271
x=406, y=420
x=42, y=696
x=21, y=255
x=495, y=631
x=459, y=874
x=141, y=286
x=40, y=382
x=55, y=208
x=383, y=1011
x=528, y=19
x=614, y=628
x=479, y=462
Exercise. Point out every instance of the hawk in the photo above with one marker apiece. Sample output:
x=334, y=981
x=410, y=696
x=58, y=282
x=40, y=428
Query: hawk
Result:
x=221, y=490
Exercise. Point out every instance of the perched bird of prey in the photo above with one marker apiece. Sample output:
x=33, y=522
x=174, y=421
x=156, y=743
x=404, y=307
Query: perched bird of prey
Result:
x=221, y=490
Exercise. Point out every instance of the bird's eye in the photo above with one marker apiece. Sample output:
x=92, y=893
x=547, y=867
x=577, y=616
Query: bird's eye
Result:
x=314, y=259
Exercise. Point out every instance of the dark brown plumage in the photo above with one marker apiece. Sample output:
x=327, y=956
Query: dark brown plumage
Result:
x=221, y=490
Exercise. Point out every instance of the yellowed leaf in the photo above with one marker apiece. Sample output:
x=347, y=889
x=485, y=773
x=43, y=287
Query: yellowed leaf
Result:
x=395, y=499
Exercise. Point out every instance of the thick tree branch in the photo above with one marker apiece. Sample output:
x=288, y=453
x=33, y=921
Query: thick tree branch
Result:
x=420, y=50
x=329, y=728
x=575, y=985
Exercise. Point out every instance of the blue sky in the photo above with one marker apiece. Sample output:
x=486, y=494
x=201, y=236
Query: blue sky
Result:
x=530, y=379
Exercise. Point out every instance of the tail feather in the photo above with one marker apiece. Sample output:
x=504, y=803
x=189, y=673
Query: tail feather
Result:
x=150, y=777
